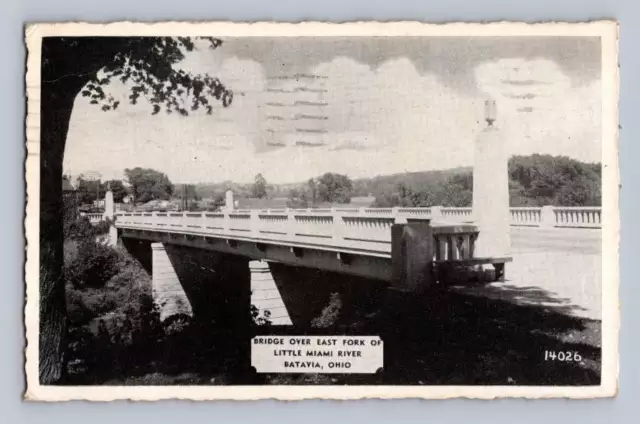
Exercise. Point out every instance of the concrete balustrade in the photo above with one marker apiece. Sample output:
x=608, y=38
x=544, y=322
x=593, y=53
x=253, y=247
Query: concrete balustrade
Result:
x=366, y=228
x=357, y=231
x=454, y=243
x=526, y=216
x=94, y=218
x=458, y=214
x=578, y=217
x=369, y=229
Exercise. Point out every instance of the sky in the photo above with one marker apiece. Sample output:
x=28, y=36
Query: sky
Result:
x=361, y=106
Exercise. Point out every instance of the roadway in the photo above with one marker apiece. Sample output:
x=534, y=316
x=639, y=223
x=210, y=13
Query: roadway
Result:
x=560, y=269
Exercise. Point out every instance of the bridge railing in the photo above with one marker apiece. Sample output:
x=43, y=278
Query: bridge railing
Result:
x=353, y=224
x=94, y=218
x=578, y=217
x=367, y=234
x=346, y=230
x=526, y=216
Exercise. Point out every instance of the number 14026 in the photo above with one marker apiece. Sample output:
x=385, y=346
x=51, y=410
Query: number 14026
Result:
x=562, y=356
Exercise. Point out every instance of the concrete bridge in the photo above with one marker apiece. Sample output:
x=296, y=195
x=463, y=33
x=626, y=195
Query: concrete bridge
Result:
x=352, y=241
x=385, y=246
x=201, y=258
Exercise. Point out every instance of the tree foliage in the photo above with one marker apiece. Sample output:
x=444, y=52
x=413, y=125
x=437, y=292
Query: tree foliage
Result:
x=335, y=188
x=91, y=190
x=148, y=184
x=535, y=180
x=297, y=199
x=146, y=64
x=86, y=65
x=118, y=189
x=259, y=189
x=539, y=180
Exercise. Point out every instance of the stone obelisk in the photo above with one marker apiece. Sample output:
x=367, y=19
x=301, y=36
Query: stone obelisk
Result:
x=229, y=203
x=491, y=189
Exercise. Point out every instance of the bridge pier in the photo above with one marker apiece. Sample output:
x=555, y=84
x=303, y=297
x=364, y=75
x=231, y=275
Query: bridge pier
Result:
x=265, y=295
x=212, y=292
x=168, y=294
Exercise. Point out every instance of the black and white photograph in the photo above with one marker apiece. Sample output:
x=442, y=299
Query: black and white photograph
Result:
x=247, y=211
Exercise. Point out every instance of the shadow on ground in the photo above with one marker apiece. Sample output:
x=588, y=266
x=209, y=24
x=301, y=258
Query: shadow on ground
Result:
x=524, y=296
x=453, y=338
x=439, y=338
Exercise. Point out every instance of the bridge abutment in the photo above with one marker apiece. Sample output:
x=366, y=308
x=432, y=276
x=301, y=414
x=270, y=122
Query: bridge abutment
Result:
x=412, y=256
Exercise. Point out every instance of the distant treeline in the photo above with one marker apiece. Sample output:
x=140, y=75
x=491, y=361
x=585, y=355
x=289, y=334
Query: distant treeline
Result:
x=534, y=180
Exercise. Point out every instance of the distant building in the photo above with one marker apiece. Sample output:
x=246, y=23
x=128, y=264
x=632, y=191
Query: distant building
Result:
x=275, y=203
x=67, y=187
x=159, y=206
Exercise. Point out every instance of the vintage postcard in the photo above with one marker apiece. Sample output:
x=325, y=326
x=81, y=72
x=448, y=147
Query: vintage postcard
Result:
x=316, y=210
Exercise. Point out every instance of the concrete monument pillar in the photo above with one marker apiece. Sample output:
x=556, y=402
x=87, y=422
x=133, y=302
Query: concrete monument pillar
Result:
x=228, y=201
x=110, y=216
x=109, y=205
x=491, y=189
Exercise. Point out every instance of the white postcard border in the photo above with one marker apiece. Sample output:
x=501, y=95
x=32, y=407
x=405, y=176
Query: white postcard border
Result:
x=607, y=30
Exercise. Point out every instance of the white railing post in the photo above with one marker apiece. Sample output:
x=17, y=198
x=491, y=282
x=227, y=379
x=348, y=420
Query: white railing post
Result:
x=436, y=212
x=338, y=226
x=395, y=211
x=254, y=222
x=291, y=223
x=227, y=221
x=547, y=217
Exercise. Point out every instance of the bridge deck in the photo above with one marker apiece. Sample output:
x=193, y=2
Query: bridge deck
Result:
x=556, y=267
x=559, y=269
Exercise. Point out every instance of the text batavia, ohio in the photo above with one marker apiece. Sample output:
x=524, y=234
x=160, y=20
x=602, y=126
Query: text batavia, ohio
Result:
x=317, y=354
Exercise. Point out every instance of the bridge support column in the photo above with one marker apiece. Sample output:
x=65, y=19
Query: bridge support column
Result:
x=412, y=256
x=265, y=295
x=168, y=294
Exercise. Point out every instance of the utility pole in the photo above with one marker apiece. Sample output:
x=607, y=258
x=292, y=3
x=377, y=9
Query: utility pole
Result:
x=184, y=197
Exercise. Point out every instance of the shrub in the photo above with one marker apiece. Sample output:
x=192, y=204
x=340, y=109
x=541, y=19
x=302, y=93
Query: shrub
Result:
x=102, y=227
x=330, y=314
x=93, y=265
x=78, y=228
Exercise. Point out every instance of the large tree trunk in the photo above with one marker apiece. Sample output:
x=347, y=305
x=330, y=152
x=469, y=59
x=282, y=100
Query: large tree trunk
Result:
x=57, y=98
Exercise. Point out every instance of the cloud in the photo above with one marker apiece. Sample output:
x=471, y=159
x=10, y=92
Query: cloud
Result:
x=349, y=118
x=541, y=110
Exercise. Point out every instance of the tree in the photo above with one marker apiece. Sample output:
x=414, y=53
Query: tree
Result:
x=118, y=189
x=539, y=180
x=297, y=199
x=216, y=203
x=74, y=65
x=334, y=187
x=148, y=184
x=259, y=189
x=89, y=190
x=313, y=188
